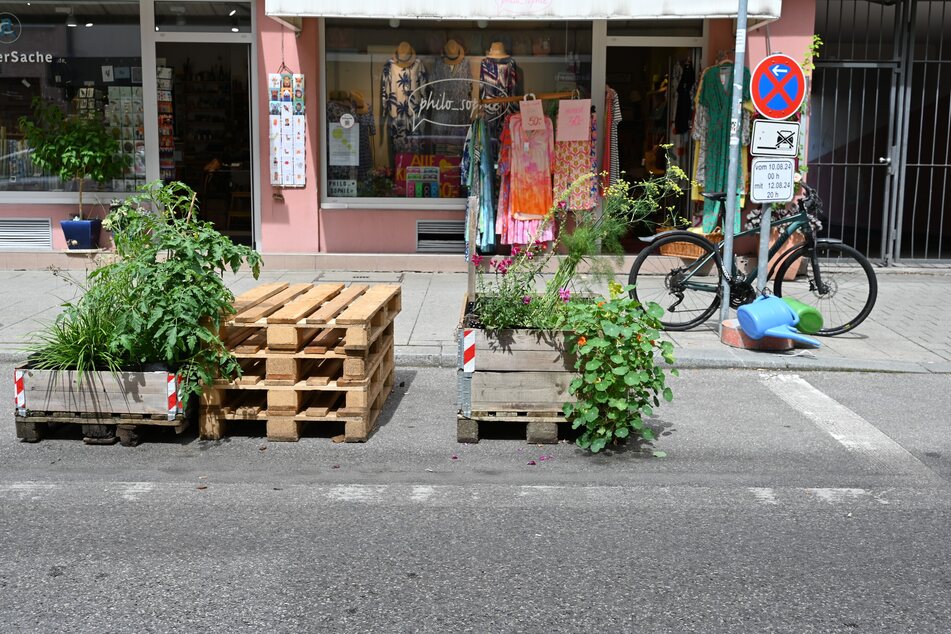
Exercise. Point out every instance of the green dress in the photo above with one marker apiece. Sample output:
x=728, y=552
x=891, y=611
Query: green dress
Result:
x=716, y=99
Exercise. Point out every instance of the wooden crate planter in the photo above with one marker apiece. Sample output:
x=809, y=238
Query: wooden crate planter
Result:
x=513, y=376
x=109, y=406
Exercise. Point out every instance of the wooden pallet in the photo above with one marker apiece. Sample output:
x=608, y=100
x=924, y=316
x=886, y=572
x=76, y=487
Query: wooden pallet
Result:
x=289, y=410
x=320, y=320
x=540, y=426
x=98, y=429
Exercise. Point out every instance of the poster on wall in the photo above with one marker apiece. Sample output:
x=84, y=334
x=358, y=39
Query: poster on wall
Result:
x=287, y=129
x=428, y=175
x=343, y=145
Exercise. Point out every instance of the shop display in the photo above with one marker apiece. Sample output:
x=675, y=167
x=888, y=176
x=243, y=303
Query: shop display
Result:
x=125, y=116
x=498, y=77
x=350, y=126
x=166, y=123
x=611, y=161
x=575, y=157
x=711, y=130
x=287, y=132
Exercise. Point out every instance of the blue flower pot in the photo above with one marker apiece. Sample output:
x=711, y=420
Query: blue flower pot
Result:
x=81, y=234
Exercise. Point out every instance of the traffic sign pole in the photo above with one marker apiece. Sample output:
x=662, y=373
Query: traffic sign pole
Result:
x=738, y=73
x=763, y=262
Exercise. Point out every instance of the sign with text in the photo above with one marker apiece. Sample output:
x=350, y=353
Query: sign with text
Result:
x=533, y=118
x=574, y=120
x=771, y=180
x=775, y=138
x=427, y=176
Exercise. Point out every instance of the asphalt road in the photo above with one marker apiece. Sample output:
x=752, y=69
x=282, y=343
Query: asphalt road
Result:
x=810, y=503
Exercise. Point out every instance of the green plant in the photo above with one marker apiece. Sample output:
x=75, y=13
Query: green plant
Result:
x=620, y=381
x=71, y=147
x=167, y=284
x=510, y=298
x=82, y=338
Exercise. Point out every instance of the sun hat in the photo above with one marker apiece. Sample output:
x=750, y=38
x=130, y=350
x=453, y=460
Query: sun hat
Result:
x=405, y=55
x=453, y=52
x=497, y=51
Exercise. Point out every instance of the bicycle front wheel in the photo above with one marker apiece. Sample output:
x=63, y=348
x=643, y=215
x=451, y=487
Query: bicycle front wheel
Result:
x=681, y=272
x=839, y=282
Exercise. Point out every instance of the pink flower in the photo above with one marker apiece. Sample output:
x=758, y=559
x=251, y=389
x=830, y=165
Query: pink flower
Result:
x=516, y=250
x=564, y=294
x=530, y=254
x=532, y=463
x=526, y=299
x=562, y=204
x=476, y=260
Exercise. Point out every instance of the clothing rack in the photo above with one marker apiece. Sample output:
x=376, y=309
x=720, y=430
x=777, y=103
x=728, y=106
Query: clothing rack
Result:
x=541, y=95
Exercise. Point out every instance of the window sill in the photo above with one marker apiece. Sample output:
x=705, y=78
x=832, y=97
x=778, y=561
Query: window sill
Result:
x=398, y=204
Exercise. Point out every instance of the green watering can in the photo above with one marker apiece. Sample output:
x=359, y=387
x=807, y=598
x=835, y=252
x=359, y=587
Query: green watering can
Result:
x=810, y=319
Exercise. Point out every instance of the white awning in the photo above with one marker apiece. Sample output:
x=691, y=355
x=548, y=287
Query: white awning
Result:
x=522, y=9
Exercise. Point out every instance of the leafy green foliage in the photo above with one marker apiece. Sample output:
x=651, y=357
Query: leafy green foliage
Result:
x=501, y=299
x=619, y=380
x=161, y=301
x=71, y=147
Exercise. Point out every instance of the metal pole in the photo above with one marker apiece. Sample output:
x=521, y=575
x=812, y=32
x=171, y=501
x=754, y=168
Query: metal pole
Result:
x=739, y=63
x=763, y=262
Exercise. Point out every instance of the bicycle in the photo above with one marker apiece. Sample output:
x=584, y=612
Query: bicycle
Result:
x=838, y=280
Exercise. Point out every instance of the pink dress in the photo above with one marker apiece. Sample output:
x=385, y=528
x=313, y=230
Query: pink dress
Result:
x=511, y=230
x=532, y=153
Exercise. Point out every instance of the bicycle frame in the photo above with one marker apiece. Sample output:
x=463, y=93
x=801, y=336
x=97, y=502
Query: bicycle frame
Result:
x=792, y=223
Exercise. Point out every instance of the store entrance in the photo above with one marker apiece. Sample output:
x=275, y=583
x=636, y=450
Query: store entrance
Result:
x=205, y=129
x=655, y=88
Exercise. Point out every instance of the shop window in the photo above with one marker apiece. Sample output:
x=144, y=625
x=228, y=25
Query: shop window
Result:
x=84, y=57
x=401, y=95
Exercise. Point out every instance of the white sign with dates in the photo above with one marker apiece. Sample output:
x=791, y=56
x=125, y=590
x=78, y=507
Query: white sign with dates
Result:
x=771, y=180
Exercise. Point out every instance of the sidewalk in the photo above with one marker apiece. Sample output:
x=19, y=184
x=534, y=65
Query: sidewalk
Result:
x=908, y=331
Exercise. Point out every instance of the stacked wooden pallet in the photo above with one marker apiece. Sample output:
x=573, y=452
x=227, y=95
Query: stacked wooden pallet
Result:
x=311, y=354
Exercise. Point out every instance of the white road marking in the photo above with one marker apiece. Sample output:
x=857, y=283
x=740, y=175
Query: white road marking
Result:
x=28, y=489
x=132, y=490
x=837, y=495
x=848, y=428
x=421, y=493
x=357, y=493
x=764, y=495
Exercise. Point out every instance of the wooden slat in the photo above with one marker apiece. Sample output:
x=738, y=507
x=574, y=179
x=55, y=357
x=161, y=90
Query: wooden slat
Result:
x=326, y=340
x=99, y=392
x=271, y=304
x=365, y=307
x=324, y=373
x=525, y=391
x=332, y=308
x=258, y=294
x=320, y=406
x=305, y=304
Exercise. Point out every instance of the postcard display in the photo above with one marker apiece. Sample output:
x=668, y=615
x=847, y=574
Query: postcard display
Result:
x=166, y=124
x=287, y=129
x=125, y=117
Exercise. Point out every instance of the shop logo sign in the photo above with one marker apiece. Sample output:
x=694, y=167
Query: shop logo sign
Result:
x=439, y=102
x=10, y=28
x=523, y=7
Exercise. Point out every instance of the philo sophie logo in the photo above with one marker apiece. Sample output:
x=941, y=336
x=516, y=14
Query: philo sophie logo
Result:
x=10, y=28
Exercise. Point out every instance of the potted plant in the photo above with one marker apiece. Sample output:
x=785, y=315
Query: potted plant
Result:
x=150, y=315
x=74, y=149
x=566, y=354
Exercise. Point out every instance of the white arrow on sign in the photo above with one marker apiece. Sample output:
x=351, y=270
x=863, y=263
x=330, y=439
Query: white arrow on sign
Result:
x=779, y=70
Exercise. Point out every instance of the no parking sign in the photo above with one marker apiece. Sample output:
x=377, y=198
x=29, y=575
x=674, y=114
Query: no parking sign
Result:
x=778, y=87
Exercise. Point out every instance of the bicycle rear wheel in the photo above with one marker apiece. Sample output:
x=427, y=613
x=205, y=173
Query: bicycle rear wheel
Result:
x=844, y=291
x=681, y=272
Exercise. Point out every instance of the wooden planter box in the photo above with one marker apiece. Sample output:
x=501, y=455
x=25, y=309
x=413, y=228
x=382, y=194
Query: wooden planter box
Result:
x=106, y=405
x=519, y=376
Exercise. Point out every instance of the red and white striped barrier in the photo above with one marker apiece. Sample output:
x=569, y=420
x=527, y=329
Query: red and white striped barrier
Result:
x=468, y=351
x=174, y=402
x=20, y=399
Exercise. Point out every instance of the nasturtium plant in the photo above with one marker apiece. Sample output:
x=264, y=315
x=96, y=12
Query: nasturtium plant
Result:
x=619, y=380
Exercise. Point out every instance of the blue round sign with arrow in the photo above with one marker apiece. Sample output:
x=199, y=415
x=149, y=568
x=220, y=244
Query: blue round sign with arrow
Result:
x=778, y=87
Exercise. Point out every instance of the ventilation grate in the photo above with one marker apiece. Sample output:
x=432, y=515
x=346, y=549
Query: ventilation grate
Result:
x=440, y=236
x=26, y=233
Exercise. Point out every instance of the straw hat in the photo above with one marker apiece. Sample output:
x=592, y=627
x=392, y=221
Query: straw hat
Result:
x=452, y=52
x=404, y=55
x=497, y=51
x=359, y=102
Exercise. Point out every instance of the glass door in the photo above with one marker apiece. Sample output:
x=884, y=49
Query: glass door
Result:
x=205, y=129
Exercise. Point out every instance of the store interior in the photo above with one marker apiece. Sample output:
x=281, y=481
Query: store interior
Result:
x=208, y=120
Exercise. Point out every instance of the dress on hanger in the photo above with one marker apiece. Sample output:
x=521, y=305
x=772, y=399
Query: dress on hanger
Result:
x=712, y=129
x=478, y=175
x=510, y=229
x=401, y=100
x=499, y=78
x=532, y=154
x=611, y=161
x=572, y=159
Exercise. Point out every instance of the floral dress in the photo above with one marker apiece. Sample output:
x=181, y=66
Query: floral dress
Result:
x=572, y=160
x=499, y=78
x=401, y=100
